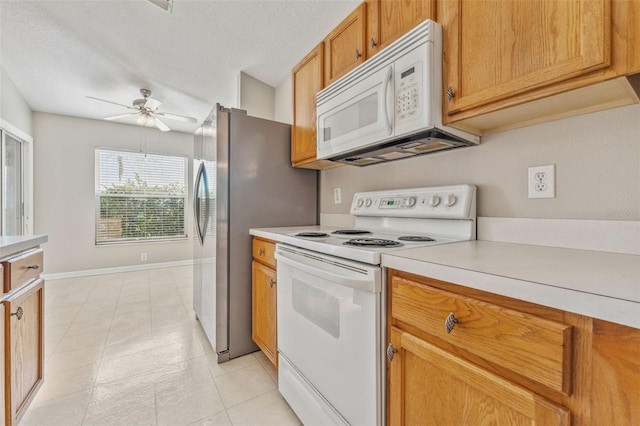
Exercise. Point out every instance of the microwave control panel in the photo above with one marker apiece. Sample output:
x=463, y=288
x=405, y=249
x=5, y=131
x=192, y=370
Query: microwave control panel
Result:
x=408, y=82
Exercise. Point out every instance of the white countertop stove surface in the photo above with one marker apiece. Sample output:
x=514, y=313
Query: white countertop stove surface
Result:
x=334, y=245
x=445, y=214
x=597, y=284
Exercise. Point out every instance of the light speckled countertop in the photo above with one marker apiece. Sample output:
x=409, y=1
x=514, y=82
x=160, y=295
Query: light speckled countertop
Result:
x=597, y=284
x=14, y=244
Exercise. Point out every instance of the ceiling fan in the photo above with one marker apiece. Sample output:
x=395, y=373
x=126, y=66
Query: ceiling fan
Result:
x=146, y=112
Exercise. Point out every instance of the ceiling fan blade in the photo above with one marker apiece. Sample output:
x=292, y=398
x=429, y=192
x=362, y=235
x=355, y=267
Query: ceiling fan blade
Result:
x=177, y=117
x=116, y=117
x=152, y=104
x=160, y=125
x=115, y=103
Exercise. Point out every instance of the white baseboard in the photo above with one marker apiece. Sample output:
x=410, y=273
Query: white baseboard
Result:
x=117, y=269
x=617, y=236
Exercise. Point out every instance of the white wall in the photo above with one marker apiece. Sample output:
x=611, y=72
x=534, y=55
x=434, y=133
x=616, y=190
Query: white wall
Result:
x=597, y=158
x=256, y=97
x=14, y=109
x=284, y=102
x=64, y=162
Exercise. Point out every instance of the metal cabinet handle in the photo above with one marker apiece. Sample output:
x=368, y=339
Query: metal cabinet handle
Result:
x=450, y=322
x=373, y=43
x=450, y=93
x=33, y=267
x=391, y=351
x=260, y=251
x=358, y=54
x=18, y=313
x=271, y=282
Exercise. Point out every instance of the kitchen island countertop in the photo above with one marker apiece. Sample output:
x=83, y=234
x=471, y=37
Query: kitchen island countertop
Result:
x=602, y=285
x=14, y=243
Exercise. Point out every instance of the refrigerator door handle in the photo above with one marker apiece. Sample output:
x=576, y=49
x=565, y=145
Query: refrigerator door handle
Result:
x=202, y=223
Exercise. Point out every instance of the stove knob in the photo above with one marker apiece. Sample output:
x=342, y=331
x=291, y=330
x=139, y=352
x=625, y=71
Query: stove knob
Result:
x=411, y=201
x=435, y=200
x=360, y=202
x=369, y=202
x=451, y=200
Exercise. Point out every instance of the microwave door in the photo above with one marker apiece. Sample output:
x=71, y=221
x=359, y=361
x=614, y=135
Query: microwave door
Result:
x=358, y=116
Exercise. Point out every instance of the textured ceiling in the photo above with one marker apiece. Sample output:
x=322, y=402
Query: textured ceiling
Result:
x=58, y=52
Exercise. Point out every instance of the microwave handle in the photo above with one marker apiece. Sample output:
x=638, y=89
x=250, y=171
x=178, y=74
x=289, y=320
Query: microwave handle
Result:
x=385, y=109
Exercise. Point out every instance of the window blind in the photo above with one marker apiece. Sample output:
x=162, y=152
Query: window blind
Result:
x=140, y=197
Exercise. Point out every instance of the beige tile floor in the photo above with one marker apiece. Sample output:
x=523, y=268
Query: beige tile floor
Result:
x=125, y=349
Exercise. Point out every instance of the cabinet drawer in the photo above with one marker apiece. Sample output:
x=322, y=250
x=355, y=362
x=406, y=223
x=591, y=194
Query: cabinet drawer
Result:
x=263, y=252
x=22, y=268
x=534, y=347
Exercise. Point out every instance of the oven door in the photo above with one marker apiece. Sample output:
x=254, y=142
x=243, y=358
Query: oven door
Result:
x=329, y=336
x=357, y=116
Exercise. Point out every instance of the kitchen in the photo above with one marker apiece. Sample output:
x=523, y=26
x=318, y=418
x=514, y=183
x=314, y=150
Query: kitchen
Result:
x=589, y=193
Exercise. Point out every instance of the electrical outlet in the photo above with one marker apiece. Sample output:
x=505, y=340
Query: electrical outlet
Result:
x=542, y=181
x=337, y=196
x=143, y=257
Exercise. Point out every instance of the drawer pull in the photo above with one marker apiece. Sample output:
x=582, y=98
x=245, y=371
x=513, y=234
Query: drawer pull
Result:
x=260, y=251
x=271, y=282
x=391, y=351
x=450, y=93
x=33, y=267
x=18, y=313
x=373, y=42
x=358, y=54
x=450, y=322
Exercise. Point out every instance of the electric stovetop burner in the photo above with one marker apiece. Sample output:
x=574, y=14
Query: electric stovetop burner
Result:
x=312, y=234
x=372, y=242
x=351, y=232
x=417, y=238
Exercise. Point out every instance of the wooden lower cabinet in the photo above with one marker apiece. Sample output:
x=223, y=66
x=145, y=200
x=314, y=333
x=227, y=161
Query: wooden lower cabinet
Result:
x=2, y=372
x=24, y=358
x=263, y=303
x=264, y=310
x=429, y=383
x=503, y=361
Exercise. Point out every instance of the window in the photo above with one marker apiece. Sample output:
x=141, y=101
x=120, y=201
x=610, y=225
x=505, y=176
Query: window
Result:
x=140, y=197
x=11, y=162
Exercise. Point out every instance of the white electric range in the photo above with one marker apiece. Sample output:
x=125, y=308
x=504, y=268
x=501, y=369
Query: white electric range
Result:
x=330, y=298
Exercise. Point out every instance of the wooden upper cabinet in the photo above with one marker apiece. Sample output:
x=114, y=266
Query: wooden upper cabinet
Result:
x=387, y=20
x=344, y=47
x=307, y=80
x=497, y=49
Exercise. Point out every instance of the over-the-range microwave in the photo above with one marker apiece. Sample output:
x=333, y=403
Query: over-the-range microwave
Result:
x=390, y=106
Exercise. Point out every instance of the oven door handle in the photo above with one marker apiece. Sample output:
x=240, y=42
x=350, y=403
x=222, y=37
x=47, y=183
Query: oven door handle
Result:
x=367, y=283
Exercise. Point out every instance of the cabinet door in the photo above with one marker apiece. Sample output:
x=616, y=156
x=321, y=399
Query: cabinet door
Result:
x=264, y=310
x=387, y=20
x=427, y=382
x=307, y=80
x=24, y=318
x=344, y=47
x=496, y=49
x=2, y=363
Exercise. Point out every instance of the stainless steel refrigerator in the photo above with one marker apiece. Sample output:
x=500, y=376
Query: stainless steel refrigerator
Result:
x=243, y=179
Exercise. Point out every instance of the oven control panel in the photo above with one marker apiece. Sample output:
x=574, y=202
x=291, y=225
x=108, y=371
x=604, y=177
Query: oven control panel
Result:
x=441, y=202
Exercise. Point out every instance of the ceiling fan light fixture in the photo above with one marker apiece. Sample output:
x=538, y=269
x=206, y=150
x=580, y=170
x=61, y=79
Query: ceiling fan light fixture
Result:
x=145, y=120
